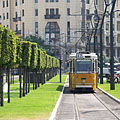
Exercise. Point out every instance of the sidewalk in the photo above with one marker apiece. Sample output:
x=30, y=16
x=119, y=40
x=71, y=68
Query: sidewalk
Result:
x=66, y=108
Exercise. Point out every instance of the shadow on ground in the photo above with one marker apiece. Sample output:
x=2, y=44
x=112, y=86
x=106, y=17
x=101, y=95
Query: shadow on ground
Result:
x=77, y=91
x=59, y=88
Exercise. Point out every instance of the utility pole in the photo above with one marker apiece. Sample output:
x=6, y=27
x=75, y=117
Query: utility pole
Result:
x=83, y=18
x=101, y=45
x=112, y=83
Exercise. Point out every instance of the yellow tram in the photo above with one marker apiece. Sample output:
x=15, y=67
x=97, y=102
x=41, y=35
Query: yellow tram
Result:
x=83, y=70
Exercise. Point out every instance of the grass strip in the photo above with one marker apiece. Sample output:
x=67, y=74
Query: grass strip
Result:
x=37, y=105
x=115, y=93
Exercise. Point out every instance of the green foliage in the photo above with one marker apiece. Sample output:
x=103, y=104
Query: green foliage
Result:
x=42, y=59
x=26, y=54
x=49, y=61
x=7, y=47
x=40, y=42
x=56, y=63
x=34, y=56
x=19, y=50
x=38, y=60
x=15, y=51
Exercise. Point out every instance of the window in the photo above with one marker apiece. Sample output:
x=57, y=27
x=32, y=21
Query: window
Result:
x=22, y=12
x=16, y=27
x=3, y=16
x=68, y=11
x=57, y=0
x=16, y=15
x=96, y=2
x=68, y=31
x=22, y=1
x=68, y=1
x=36, y=12
x=36, y=27
x=51, y=0
x=47, y=11
x=107, y=26
x=7, y=16
x=107, y=40
x=46, y=0
x=51, y=11
x=23, y=29
x=36, y=1
x=7, y=3
x=16, y=4
x=118, y=52
x=84, y=65
x=87, y=1
x=118, y=38
x=0, y=17
x=118, y=25
x=3, y=4
x=57, y=11
x=107, y=52
x=87, y=12
x=52, y=31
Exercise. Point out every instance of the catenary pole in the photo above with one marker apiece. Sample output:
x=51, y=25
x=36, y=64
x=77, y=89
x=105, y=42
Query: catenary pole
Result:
x=112, y=84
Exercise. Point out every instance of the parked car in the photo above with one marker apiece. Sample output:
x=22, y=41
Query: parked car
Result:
x=106, y=73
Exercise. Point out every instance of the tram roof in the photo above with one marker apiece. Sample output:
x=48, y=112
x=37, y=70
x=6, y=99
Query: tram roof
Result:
x=83, y=56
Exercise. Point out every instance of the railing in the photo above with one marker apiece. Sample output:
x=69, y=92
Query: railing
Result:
x=52, y=16
x=17, y=19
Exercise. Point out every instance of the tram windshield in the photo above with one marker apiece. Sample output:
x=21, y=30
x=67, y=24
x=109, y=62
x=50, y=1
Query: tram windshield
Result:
x=83, y=65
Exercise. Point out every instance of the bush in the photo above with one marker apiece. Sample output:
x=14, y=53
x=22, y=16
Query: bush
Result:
x=34, y=56
x=7, y=47
x=26, y=54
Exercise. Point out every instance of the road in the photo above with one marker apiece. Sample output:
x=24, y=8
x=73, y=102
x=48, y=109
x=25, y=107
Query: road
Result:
x=82, y=105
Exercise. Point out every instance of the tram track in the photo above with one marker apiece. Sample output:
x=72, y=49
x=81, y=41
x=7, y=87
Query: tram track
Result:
x=106, y=106
x=77, y=117
x=78, y=112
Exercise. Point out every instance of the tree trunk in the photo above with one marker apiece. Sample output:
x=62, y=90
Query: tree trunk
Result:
x=33, y=80
x=20, y=83
x=24, y=82
x=26, y=79
x=1, y=87
x=28, y=82
x=8, y=73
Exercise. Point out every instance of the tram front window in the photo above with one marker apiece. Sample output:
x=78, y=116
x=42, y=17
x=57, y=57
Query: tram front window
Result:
x=83, y=66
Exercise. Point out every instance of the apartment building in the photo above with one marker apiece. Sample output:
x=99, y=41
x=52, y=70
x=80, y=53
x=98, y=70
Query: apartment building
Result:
x=60, y=22
x=51, y=20
x=116, y=31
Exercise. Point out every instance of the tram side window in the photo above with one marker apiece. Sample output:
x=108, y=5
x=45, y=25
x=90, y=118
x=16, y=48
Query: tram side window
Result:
x=70, y=66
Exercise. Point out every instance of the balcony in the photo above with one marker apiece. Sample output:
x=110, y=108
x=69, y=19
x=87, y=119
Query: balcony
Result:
x=18, y=32
x=52, y=16
x=17, y=19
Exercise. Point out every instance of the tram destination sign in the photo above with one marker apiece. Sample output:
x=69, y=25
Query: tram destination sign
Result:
x=79, y=56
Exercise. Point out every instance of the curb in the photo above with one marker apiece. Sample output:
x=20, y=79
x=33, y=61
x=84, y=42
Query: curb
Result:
x=52, y=117
x=109, y=95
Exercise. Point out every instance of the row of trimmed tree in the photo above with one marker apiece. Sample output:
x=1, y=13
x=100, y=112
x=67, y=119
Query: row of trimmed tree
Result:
x=34, y=64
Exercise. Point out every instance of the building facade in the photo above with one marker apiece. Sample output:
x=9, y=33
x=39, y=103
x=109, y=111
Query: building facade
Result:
x=66, y=25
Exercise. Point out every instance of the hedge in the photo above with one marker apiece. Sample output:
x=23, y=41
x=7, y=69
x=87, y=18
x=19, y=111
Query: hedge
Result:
x=7, y=47
x=34, y=56
x=26, y=54
x=13, y=50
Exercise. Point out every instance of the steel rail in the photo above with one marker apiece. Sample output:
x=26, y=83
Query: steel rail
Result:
x=106, y=106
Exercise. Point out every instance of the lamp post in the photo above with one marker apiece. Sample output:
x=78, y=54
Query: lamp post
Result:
x=60, y=58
